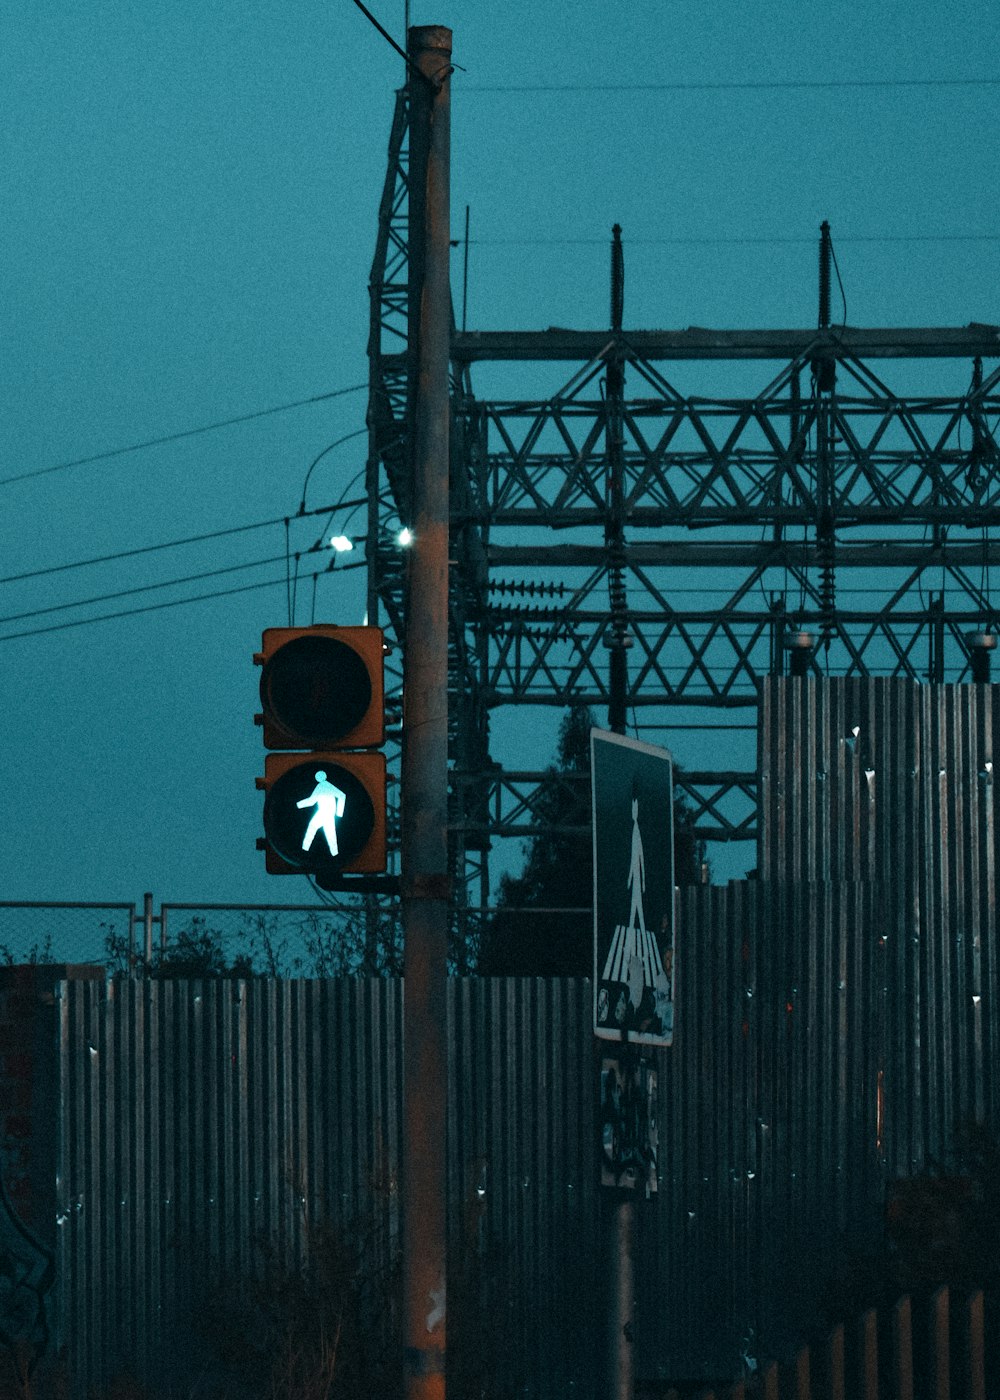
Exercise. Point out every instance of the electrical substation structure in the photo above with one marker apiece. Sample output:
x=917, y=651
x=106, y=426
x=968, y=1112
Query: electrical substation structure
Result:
x=689, y=538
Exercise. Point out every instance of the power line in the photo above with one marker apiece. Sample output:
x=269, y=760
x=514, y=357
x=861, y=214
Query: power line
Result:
x=384, y=32
x=176, y=437
x=790, y=85
x=150, y=607
x=316, y=461
x=140, y=588
x=175, y=544
x=157, y=607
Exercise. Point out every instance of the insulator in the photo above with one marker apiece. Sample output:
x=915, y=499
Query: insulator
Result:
x=526, y=589
x=828, y=586
x=617, y=278
x=828, y=591
x=824, y=275
x=980, y=452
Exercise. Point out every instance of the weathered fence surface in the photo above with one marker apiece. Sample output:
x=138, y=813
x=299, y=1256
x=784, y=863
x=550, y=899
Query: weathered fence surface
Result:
x=198, y=1117
x=201, y=1118
x=769, y=1134
x=886, y=781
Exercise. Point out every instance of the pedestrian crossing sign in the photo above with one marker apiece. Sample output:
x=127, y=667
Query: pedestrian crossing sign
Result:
x=633, y=833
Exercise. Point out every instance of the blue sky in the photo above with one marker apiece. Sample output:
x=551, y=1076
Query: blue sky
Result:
x=190, y=206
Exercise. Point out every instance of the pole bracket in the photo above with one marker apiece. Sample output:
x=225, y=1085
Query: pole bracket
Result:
x=359, y=884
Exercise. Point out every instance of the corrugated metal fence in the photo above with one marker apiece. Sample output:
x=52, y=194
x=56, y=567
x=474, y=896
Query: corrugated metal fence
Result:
x=768, y=1122
x=837, y=1019
x=200, y=1116
x=884, y=780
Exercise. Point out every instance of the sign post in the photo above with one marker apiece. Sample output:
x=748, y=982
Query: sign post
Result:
x=632, y=808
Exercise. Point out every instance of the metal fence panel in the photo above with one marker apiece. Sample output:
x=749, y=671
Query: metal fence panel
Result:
x=196, y=1121
x=888, y=781
x=768, y=1111
x=200, y=1118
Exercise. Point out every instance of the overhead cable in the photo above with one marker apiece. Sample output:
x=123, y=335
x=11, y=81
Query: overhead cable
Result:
x=175, y=544
x=185, y=433
x=140, y=588
x=156, y=607
x=383, y=31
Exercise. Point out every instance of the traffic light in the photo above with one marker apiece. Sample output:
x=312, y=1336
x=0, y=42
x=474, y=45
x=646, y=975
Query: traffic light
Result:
x=322, y=686
x=321, y=690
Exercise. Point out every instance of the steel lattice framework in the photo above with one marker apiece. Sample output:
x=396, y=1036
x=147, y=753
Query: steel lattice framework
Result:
x=698, y=535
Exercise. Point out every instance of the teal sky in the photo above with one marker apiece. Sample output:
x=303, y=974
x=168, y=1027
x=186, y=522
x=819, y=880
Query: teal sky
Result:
x=190, y=206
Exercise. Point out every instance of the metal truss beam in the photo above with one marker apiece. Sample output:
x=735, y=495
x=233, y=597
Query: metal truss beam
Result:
x=739, y=554
x=864, y=455
x=723, y=803
x=696, y=343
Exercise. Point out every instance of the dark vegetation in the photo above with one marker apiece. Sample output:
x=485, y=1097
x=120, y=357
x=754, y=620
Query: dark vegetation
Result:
x=941, y=1227
x=324, y=1327
x=344, y=942
x=557, y=873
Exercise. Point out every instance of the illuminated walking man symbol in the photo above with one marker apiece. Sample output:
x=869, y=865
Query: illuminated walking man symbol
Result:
x=329, y=802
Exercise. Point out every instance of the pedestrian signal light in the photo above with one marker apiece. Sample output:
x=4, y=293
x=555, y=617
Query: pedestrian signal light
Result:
x=322, y=687
x=324, y=813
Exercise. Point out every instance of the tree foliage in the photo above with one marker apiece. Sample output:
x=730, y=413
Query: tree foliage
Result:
x=524, y=940
x=337, y=942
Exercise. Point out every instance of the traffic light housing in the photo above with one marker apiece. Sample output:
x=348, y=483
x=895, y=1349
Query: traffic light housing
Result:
x=322, y=690
x=322, y=687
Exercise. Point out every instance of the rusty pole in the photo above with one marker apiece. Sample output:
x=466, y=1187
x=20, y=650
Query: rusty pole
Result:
x=425, y=886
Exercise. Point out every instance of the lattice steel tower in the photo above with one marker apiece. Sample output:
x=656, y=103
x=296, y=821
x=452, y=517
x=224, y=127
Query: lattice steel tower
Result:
x=686, y=543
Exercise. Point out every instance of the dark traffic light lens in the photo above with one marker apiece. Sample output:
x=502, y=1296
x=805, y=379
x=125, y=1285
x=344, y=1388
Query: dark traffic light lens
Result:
x=317, y=689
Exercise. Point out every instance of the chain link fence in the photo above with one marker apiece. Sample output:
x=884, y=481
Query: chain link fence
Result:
x=66, y=933
x=275, y=940
x=279, y=940
x=355, y=935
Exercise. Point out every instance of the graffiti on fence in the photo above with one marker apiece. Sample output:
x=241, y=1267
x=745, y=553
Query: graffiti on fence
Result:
x=27, y=1273
x=628, y=1123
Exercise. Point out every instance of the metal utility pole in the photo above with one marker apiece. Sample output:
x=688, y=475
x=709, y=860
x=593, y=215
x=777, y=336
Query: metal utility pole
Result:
x=619, y=1203
x=618, y=639
x=825, y=375
x=425, y=884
